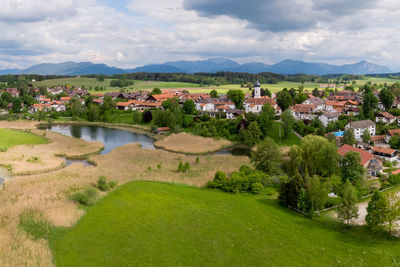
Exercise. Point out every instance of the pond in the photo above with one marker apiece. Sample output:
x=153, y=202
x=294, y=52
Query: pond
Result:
x=110, y=137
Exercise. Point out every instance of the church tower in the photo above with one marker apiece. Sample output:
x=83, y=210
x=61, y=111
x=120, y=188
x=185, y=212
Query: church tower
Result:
x=257, y=89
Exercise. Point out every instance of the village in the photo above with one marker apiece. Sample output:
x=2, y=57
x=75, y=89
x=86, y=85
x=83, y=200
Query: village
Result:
x=327, y=109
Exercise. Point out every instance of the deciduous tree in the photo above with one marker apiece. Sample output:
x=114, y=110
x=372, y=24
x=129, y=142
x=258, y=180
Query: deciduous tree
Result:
x=348, y=210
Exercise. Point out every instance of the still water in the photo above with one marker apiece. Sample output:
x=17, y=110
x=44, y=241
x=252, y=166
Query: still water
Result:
x=111, y=138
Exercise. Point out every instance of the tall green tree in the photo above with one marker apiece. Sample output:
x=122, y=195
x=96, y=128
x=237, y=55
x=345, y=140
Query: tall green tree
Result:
x=370, y=103
x=267, y=157
x=284, y=100
x=315, y=156
x=317, y=193
x=156, y=91
x=348, y=137
x=377, y=210
x=252, y=135
x=287, y=123
x=265, y=118
x=393, y=212
x=394, y=141
x=237, y=97
x=214, y=93
x=366, y=136
x=352, y=169
x=386, y=97
x=348, y=210
x=189, y=107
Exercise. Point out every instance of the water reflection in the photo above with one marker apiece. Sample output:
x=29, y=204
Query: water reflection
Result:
x=111, y=138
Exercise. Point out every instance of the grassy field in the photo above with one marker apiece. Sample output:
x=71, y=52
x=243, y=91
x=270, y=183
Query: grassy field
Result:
x=91, y=83
x=187, y=143
x=10, y=138
x=192, y=87
x=156, y=224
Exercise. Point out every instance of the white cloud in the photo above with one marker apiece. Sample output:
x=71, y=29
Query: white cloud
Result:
x=154, y=31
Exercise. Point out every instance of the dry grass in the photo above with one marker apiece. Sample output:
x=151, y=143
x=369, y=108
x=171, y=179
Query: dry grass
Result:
x=48, y=192
x=191, y=144
x=19, y=156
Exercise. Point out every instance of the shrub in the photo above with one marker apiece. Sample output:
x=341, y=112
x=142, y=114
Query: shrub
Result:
x=394, y=179
x=180, y=167
x=103, y=185
x=34, y=159
x=245, y=180
x=387, y=164
x=186, y=167
x=3, y=149
x=256, y=188
x=183, y=167
x=87, y=197
x=219, y=179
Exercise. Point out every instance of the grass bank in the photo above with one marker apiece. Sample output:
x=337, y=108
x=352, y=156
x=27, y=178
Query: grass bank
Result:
x=10, y=138
x=157, y=224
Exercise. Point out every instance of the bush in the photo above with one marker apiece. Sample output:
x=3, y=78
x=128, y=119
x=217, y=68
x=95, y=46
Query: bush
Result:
x=103, y=185
x=34, y=159
x=246, y=179
x=87, y=197
x=256, y=188
x=183, y=167
x=3, y=149
x=394, y=179
x=387, y=164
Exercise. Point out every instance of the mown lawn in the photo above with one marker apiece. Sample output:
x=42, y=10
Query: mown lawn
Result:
x=9, y=138
x=158, y=224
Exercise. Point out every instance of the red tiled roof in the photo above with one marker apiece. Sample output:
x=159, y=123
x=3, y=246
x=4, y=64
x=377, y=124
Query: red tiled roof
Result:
x=394, y=131
x=396, y=171
x=383, y=150
x=124, y=104
x=377, y=138
x=365, y=156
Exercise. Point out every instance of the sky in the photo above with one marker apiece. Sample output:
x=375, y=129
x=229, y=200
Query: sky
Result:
x=130, y=33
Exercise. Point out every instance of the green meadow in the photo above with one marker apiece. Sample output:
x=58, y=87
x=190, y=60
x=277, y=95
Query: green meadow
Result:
x=192, y=87
x=10, y=138
x=159, y=224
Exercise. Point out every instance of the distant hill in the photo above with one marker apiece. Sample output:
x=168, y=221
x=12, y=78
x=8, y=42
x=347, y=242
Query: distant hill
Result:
x=209, y=66
x=157, y=68
x=66, y=68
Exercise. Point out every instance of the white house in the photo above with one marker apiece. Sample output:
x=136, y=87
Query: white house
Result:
x=360, y=126
x=327, y=118
x=385, y=117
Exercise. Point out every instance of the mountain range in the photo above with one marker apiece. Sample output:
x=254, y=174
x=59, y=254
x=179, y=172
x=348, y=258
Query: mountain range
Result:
x=209, y=66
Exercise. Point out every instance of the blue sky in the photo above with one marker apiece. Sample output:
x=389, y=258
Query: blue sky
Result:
x=129, y=33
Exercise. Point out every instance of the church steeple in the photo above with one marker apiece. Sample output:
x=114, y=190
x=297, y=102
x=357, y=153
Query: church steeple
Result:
x=257, y=89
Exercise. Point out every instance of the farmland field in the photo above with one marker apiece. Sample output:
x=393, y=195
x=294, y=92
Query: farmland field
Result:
x=10, y=138
x=91, y=83
x=157, y=224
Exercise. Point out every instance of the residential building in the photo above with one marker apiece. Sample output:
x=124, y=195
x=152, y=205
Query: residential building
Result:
x=328, y=117
x=372, y=165
x=360, y=126
x=387, y=154
x=385, y=117
x=391, y=133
